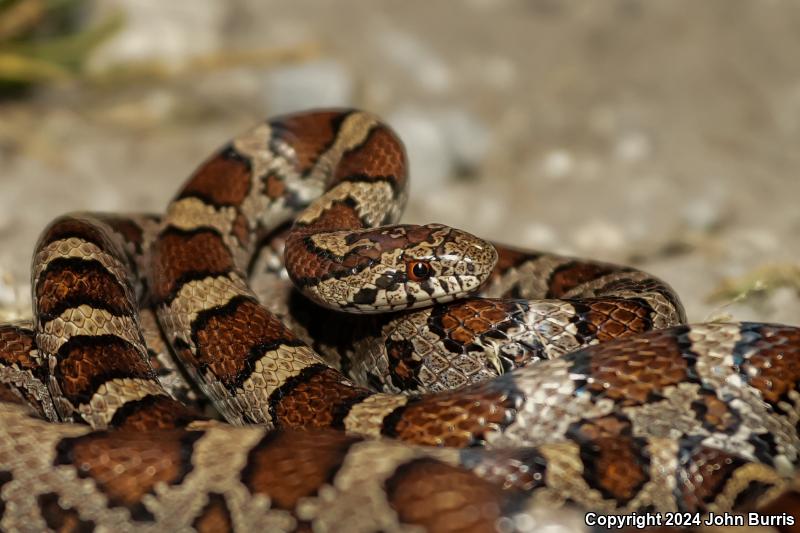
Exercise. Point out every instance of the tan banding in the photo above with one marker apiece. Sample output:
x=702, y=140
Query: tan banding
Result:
x=659, y=490
x=552, y=322
x=551, y=405
x=174, y=506
x=254, y=144
x=371, y=199
x=564, y=478
x=192, y=213
x=358, y=497
x=112, y=395
x=714, y=345
x=354, y=131
x=664, y=312
x=743, y=478
x=197, y=296
x=269, y=373
x=366, y=418
x=86, y=320
x=565, y=481
x=74, y=247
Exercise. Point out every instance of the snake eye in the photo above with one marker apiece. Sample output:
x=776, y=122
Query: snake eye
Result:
x=418, y=270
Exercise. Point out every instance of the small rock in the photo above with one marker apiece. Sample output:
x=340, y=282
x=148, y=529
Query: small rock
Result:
x=467, y=139
x=315, y=84
x=500, y=72
x=599, y=235
x=540, y=236
x=429, y=159
x=557, y=164
x=633, y=146
x=408, y=52
x=170, y=33
x=441, y=143
x=702, y=214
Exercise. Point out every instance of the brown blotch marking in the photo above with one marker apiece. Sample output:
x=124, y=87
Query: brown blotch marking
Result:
x=69, y=226
x=776, y=358
x=181, y=256
x=403, y=364
x=126, y=465
x=628, y=371
x=380, y=155
x=614, y=318
x=706, y=472
x=153, y=412
x=614, y=462
x=340, y=215
x=444, y=498
x=303, y=258
x=316, y=398
x=222, y=180
x=230, y=337
x=60, y=519
x=290, y=465
x=68, y=283
x=454, y=419
x=567, y=277
x=85, y=363
x=215, y=516
x=715, y=413
x=274, y=186
x=16, y=344
x=465, y=320
x=310, y=134
x=241, y=229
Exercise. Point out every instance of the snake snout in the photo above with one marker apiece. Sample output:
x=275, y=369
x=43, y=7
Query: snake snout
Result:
x=469, y=259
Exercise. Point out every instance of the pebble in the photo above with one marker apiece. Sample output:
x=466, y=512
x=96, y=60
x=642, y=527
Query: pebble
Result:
x=558, y=163
x=408, y=52
x=324, y=83
x=429, y=161
x=170, y=33
x=633, y=146
x=599, y=235
x=539, y=235
x=441, y=143
x=467, y=139
x=702, y=214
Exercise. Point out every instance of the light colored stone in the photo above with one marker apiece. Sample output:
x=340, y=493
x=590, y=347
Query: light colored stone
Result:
x=324, y=83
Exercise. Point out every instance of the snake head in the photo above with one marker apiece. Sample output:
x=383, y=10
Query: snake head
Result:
x=394, y=267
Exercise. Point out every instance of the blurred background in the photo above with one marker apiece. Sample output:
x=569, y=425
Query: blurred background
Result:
x=659, y=134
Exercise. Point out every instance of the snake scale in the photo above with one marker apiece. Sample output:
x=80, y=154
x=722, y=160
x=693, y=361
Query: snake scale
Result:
x=503, y=384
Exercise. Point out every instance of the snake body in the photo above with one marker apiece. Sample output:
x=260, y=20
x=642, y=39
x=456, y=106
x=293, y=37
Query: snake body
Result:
x=577, y=381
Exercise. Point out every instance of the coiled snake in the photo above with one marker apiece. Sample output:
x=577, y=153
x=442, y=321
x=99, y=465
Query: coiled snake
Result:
x=565, y=382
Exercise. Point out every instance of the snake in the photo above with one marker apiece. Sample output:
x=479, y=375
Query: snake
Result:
x=411, y=377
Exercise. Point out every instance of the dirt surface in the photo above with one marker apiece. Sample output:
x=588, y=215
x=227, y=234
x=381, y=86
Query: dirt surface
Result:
x=660, y=134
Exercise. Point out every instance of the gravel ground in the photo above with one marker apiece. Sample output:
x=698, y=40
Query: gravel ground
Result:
x=660, y=134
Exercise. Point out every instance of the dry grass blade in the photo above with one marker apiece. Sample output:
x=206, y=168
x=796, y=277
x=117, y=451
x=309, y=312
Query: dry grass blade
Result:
x=761, y=280
x=17, y=18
